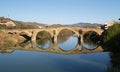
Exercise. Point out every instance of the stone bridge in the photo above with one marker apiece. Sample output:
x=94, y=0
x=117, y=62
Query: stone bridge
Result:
x=54, y=32
x=53, y=48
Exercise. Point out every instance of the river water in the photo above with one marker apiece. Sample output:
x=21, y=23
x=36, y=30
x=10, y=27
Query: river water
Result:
x=49, y=58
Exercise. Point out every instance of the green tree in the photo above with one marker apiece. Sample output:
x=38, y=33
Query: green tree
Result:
x=112, y=38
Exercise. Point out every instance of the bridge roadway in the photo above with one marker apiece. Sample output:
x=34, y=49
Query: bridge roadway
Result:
x=32, y=33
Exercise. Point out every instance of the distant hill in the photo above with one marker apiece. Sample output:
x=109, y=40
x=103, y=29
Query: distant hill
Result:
x=31, y=23
x=39, y=25
x=82, y=24
x=85, y=24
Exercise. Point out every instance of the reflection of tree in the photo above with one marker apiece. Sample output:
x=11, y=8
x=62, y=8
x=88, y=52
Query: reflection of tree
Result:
x=42, y=38
x=64, y=35
x=115, y=62
x=91, y=37
x=42, y=42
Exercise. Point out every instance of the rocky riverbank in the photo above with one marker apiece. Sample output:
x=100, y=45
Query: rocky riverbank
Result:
x=9, y=40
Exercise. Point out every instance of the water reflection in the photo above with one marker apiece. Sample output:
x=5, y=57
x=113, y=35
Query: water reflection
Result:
x=90, y=44
x=65, y=38
x=43, y=44
x=67, y=44
x=64, y=35
x=43, y=39
x=91, y=40
x=72, y=45
x=115, y=61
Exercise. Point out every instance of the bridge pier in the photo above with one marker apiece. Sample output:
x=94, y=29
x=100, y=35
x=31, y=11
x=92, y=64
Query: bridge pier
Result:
x=54, y=39
x=33, y=37
x=34, y=44
x=79, y=40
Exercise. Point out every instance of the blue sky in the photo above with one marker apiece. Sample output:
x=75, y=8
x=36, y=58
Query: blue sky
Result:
x=61, y=11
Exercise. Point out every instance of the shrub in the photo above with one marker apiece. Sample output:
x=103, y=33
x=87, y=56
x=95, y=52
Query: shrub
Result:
x=112, y=32
x=1, y=29
x=112, y=38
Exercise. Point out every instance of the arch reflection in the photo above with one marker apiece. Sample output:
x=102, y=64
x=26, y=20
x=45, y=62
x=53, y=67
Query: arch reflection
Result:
x=43, y=39
x=91, y=40
x=53, y=48
x=67, y=39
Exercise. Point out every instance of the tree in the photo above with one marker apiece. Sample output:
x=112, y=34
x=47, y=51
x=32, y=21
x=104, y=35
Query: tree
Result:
x=119, y=19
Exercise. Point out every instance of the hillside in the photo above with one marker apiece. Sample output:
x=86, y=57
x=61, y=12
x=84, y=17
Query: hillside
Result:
x=7, y=23
x=32, y=23
x=38, y=25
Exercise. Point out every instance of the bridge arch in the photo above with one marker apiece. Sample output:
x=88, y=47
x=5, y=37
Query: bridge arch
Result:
x=43, y=39
x=91, y=33
x=91, y=37
x=35, y=33
x=44, y=32
x=68, y=28
x=25, y=35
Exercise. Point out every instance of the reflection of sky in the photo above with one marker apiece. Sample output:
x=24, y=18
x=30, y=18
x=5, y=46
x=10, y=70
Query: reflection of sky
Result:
x=46, y=45
x=89, y=46
x=69, y=44
x=28, y=61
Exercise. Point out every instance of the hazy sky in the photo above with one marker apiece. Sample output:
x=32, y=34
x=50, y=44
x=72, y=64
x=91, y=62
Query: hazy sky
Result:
x=61, y=11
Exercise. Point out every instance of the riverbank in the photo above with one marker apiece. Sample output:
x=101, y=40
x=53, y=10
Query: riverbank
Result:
x=9, y=40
